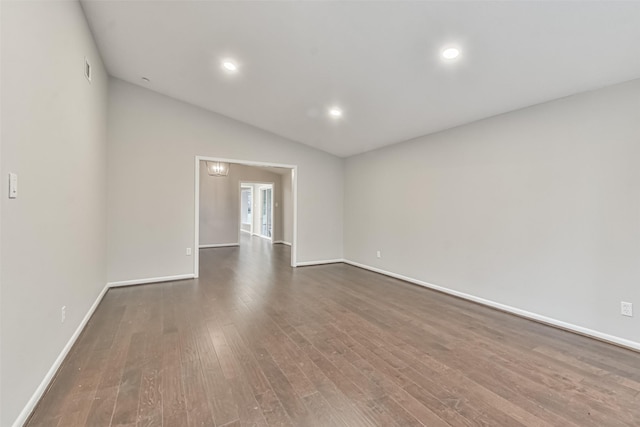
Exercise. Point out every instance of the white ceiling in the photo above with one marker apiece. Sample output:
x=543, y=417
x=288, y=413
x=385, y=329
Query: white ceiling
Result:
x=379, y=61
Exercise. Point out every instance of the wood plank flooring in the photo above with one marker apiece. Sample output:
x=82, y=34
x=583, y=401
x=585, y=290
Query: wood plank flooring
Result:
x=256, y=343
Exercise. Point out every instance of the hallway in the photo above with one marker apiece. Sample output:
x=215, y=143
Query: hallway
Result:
x=255, y=342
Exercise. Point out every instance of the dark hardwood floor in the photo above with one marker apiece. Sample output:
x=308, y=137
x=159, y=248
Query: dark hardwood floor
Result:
x=254, y=342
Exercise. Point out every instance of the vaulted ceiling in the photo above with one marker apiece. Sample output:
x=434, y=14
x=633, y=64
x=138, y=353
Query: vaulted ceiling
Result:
x=379, y=62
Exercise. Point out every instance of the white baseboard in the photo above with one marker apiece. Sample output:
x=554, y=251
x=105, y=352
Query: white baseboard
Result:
x=261, y=236
x=246, y=231
x=44, y=384
x=150, y=280
x=218, y=245
x=319, y=262
x=623, y=342
x=37, y=395
x=282, y=242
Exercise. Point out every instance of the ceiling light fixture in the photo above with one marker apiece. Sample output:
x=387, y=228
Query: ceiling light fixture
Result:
x=229, y=65
x=335, y=112
x=450, y=53
x=218, y=168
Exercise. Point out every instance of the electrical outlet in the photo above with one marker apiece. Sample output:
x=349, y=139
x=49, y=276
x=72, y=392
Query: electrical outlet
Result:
x=378, y=254
x=626, y=309
x=63, y=314
x=188, y=251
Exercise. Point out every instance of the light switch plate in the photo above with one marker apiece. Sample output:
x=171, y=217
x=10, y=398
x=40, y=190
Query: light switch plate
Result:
x=13, y=185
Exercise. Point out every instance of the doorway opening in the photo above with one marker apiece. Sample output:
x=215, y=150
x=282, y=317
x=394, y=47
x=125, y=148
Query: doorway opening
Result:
x=248, y=197
x=266, y=212
x=246, y=208
x=260, y=215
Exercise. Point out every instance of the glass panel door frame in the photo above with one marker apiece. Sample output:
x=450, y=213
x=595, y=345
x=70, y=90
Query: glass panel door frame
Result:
x=257, y=187
x=243, y=188
x=266, y=202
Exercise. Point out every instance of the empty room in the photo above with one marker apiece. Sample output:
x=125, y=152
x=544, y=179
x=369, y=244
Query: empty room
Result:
x=319, y=213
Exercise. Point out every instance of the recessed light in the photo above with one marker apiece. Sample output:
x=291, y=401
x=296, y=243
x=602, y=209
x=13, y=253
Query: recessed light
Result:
x=335, y=112
x=229, y=65
x=450, y=53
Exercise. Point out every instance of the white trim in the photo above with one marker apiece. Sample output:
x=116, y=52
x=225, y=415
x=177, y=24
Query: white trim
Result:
x=320, y=262
x=282, y=242
x=271, y=187
x=262, y=237
x=221, y=245
x=509, y=309
x=151, y=280
x=196, y=222
x=294, y=190
x=44, y=384
x=250, y=231
x=196, y=213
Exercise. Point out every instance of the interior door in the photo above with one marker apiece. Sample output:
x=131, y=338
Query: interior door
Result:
x=265, y=215
x=246, y=218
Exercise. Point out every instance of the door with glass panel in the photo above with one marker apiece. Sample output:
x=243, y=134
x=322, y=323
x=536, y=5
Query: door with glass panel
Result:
x=266, y=198
x=246, y=215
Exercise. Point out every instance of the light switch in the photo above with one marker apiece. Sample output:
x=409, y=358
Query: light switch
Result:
x=13, y=185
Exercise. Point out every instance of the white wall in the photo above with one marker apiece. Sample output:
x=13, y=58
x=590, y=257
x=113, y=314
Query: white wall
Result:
x=287, y=208
x=153, y=141
x=220, y=203
x=54, y=234
x=538, y=209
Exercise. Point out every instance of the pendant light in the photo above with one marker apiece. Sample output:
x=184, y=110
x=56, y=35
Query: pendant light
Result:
x=218, y=168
